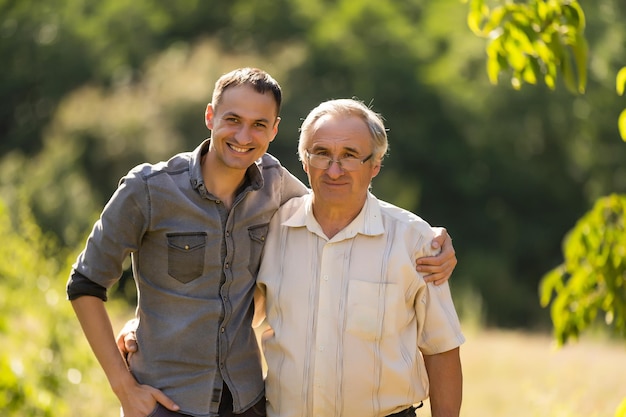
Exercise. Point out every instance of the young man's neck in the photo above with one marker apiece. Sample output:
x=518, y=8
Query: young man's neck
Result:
x=221, y=181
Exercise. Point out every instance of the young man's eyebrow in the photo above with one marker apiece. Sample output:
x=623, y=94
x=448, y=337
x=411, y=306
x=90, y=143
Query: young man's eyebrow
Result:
x=233, y=114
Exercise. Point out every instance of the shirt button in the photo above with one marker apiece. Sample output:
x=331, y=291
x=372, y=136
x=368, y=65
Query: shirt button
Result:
x=227, y=233
x=226, y=265
x=321, y=348
x=186, y=247
x=222, y=329
x=218, y=201
x=325, y=277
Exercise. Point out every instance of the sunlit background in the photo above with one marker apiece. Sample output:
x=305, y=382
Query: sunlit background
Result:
x=91, y=88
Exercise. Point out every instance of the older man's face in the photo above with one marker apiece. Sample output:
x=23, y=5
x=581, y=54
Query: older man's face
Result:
x=339, y=137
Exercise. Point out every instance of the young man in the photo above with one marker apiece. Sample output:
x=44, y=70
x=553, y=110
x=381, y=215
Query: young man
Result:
x=195, y=227
x=354, y=329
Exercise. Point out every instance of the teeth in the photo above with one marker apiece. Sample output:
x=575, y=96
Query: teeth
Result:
x=236, y=149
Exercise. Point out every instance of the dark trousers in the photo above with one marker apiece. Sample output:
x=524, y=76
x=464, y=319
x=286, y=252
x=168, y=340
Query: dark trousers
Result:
x=226, y=408
x=409, y=412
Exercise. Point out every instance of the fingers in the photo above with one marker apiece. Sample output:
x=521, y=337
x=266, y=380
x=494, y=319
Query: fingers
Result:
x=438, y=269
x=441, y=236
x=165, y=401
x=127, y=340
x=130, y=342
x=439, y=275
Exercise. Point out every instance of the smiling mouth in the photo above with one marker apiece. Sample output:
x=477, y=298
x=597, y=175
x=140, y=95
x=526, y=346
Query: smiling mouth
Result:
x=238, y=149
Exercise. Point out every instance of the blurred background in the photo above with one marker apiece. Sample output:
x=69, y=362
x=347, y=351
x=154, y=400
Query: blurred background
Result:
x=90, y=89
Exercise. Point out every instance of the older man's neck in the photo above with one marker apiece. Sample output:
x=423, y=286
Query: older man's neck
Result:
x=334, y=219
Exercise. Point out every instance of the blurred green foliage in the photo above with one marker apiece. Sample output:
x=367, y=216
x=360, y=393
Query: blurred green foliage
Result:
x=620, y=82
x=591, y=283
x=534, y=40
x=41, y=363
x=123, y=82
x=91, y=89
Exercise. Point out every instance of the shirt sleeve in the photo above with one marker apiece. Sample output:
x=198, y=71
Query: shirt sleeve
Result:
x=79, y=285
x=291, y=187
x=440, y=328
x=117, y=233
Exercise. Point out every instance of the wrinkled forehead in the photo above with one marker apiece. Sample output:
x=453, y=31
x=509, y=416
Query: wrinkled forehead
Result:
x=340, y=132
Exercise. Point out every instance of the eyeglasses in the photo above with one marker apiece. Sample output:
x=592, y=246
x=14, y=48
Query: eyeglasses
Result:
x=348, y=163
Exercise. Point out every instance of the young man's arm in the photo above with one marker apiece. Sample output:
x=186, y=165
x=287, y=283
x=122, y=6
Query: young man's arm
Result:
x=446, y=383
x=136, y=400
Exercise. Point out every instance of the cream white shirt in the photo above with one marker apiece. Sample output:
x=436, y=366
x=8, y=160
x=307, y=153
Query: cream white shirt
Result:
x=349, y=316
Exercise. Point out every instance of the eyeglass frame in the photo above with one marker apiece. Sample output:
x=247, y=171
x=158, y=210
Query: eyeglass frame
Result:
x=338, y=161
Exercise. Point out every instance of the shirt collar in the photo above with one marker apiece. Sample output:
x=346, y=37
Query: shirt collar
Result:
x=254, y=176
x=368, y=222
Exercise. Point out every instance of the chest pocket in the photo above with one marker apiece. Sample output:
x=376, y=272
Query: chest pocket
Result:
x=373, y=308
x=185, y=255
x=258, y=236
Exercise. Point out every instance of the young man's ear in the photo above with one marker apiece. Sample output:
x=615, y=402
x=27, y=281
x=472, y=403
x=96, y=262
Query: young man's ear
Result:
x=275, y=128
x=208, y=116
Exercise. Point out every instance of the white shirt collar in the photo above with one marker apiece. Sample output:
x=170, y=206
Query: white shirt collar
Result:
x=368, y=222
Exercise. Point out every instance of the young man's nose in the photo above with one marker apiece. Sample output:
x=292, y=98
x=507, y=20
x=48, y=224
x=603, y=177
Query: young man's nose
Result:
x=244, y=134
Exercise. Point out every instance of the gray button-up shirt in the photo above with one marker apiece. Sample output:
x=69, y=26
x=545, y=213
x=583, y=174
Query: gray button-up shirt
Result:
x=195, y=265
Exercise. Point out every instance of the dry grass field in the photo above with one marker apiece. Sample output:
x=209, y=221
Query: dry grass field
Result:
x=522, y=375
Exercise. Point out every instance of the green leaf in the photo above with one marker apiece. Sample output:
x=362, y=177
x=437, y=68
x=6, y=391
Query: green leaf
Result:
x=474, y=19
x=622, y=125
x=549, y=80
x=550, y=283
x=495, y=62
x=517, y=58
x=577, y=14
x=494, y=21
x=620, y=81
x=542, y=10
x=530, y=72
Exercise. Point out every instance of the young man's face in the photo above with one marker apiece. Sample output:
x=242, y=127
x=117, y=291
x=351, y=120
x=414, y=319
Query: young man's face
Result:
x=242, y=126
x=340, y=137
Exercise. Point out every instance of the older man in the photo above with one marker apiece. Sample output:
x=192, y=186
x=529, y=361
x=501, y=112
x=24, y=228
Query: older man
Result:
x=355, y=330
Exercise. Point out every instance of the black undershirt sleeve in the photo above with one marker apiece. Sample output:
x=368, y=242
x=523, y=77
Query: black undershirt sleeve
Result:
x=79, y=285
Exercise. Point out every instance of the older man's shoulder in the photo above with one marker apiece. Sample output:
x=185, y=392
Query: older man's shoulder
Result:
x=401, y=215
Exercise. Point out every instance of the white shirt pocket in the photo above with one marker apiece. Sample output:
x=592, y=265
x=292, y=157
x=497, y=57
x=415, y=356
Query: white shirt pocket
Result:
x=372, y=309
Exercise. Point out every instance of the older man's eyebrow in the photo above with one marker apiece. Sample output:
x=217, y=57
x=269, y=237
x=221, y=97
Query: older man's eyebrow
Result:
x=349, y=149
